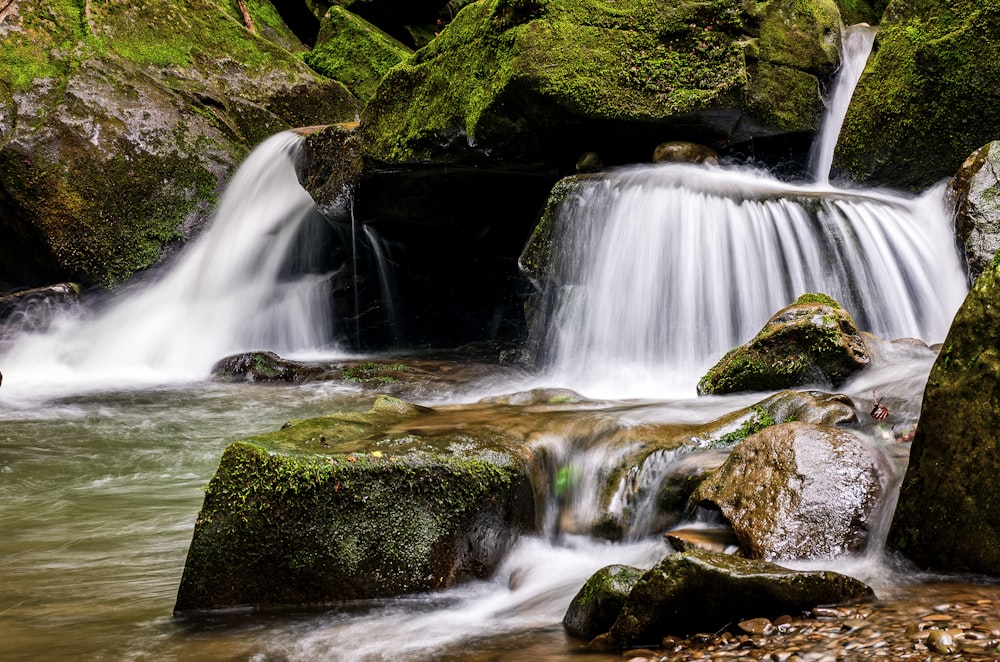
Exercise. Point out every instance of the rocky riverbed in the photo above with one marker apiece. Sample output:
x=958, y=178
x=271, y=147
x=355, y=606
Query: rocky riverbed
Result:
x=941, y=621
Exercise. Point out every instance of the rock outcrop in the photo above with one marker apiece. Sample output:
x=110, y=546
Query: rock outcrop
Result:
x=119, y=121
x=545, y=80
x=948, y=516
x=928, y=95
x=975, y=192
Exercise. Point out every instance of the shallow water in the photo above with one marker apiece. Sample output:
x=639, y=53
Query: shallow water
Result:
x=98, y=498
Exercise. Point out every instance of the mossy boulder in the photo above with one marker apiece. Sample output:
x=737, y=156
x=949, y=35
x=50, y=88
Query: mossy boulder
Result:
x=595, y=607
x=798, y=490
x=861, y=11
x=354, y=506
x=701, y=591
x=119, y=122
x=948, y=516
x=975, y=192
x=929, y=95
x=331, y=168
x=813, y=341
x=546, y=80
x=354, y=52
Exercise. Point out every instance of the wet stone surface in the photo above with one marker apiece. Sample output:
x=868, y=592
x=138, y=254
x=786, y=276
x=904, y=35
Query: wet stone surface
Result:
x=929, y=622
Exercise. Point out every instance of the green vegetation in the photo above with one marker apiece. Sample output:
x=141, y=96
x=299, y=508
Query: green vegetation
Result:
x=758, y=419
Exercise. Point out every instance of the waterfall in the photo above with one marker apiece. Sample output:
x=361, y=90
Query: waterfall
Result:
x=255, y=279
x=657, y=271
x=386, y=280
x=855, y=47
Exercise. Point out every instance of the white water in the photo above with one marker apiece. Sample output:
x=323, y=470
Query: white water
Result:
x=855, y=46
x=662, y=269
x=228, y=292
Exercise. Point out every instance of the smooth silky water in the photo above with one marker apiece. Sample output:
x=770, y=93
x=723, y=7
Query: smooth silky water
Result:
x=110, y=427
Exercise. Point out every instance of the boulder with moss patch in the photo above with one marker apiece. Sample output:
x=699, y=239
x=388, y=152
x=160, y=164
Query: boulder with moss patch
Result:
x=545, y=80
x=948, y=516
x=975, y=192
x=119, y=122
x=701, y=591
x=356, y=505
x=813, y=341
x=595, y=607
x=928, y=96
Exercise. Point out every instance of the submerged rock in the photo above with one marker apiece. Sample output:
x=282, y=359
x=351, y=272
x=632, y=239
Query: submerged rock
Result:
x=264, y=367
x=353, y=506
x=796, y=491
x=975, y=192
x=702, y=591
x=948, y=515
x=813, y=341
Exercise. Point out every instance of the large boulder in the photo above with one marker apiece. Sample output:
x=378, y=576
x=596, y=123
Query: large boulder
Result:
x=354, y=506
x=546, y=80
x=813, y=341
x=928, y=96
x=975, y=192
x=700, y=591
x=798, y=490
x=948, y=516
x=119, y=121
x=596, y=606
x=354, y=51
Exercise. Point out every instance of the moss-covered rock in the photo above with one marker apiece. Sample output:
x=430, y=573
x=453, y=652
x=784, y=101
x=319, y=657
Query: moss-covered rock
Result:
x=861, y=11
x=702, y=591
x=798, y=490
x=595, y=607
x=929, y=95
x=331, y=168
x=948, y=516
x=122, y=120
x=975, y=192
x=547, y=80
x=813, y=341
x=355, y=52
x=354, y=506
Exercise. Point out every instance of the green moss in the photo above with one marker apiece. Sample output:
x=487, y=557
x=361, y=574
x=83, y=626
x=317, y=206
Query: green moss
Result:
x=372, y=373
x=355, y=52
x=817, y=297
x=928, y=97
x=758, y=420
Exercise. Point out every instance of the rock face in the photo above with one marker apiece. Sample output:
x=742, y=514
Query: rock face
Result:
x=928, y=96
x=948, y=516
x=813, y=341
x=975, y=191
x=546, y=80
x=354, y=51
x=345, y=507
x=701, y=591
x=36, y=308
x=118, y=122
x=796, y=491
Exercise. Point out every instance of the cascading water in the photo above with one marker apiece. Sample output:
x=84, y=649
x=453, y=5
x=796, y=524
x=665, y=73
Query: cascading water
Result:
x=254, y=280
x=657, y=271
x=856, y=43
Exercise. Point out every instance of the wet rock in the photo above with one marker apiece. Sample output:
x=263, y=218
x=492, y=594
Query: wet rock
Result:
x=975, y=192
x=797, y=490
x=356, y=505
x=941, y=642
x=721, y=540
x=596, y=606
x=948, y=516
x=264, y=367
x=588, y=76
x=813, y=341
x=702, y=592
x=931, y=56
x=34, y=309
x=684, y=152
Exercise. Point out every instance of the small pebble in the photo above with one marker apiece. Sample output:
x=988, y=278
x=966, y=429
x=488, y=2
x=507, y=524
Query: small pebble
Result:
x=941, y=642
